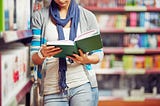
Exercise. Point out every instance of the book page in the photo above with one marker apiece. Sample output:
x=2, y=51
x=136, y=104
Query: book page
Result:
x=60, y=42
x=86, y=34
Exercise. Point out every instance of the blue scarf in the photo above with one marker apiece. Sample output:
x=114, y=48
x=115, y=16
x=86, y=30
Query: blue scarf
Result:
x=73, y=15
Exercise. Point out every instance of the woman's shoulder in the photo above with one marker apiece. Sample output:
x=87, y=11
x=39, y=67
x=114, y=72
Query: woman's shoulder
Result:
x=42, y=12
x=85, y=11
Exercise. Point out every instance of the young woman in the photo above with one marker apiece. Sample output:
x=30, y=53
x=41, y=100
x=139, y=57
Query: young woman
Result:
x=65, y=81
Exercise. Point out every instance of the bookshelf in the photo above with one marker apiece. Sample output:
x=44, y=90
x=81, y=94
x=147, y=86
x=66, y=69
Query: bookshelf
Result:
x=123, y=9
x=15, y=38
x=119, y=20
x=131, y=30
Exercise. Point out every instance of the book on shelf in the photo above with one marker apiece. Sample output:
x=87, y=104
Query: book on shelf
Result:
x=2, y=16
x=15, y=15
x=14, y=69
x=88, y=41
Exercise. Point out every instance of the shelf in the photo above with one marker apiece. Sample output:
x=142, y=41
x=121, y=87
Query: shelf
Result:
x=24, y=91
x=106, y=9
x=131, y=30
x=110, y=98
x=120, y=102
x=121, y=50
x=123, y=9
x=12, y=36
x=121, y=71
x=21, y=90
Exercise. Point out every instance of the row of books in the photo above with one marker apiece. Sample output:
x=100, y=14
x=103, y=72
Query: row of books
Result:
x=125, y=86
x=13, y=68
x=129, y=62
x=15, y=14
x=118, y=3
x=132, y=40
x=132, y=19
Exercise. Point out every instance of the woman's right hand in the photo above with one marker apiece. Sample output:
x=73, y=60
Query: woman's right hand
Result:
x=48, y=51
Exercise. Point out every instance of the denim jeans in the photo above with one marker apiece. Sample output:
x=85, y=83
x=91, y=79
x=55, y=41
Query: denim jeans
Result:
x=78, y=96
x=95, y=96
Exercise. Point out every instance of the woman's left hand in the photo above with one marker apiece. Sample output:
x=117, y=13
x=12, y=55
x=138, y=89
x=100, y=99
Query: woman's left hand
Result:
x=81, y=58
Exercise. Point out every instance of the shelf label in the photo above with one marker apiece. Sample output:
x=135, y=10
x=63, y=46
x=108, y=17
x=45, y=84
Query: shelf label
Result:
x=135, y=71
x=110, y=71
x=136, y=98
x=134, y=50
x=10, y=36
x=135, y=29
x=135, y=8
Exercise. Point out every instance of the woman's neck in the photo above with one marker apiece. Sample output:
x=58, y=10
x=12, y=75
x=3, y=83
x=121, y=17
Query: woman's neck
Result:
x=63, y=11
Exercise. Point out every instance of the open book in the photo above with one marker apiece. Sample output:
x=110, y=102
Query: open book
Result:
x=88, y=41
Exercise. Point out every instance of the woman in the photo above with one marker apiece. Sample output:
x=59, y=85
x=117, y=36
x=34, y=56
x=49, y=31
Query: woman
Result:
x=65, y=81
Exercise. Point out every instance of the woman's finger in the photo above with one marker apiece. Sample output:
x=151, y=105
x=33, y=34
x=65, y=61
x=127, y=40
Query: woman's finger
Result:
x=81, y=52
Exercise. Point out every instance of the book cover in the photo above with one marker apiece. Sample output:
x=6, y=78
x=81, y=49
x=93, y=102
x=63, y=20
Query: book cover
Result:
x=87, y=42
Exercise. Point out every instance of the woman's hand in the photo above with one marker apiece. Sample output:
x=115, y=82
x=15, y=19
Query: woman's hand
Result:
x=84, y=58
x=48, y=51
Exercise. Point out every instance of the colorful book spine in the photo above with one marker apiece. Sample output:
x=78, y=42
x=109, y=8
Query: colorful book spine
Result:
x=128, y=62
x=133, y=19
x=143, y=41
x=129, y=3
x=141, y=19
x=149, y=62
x=2, y=16
x=157, y=61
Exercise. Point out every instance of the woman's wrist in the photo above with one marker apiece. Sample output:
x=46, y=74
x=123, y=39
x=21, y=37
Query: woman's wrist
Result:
x=40, y=55
x=93, y=59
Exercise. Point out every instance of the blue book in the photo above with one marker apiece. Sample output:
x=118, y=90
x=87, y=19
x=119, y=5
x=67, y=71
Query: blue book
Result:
x=141, y=19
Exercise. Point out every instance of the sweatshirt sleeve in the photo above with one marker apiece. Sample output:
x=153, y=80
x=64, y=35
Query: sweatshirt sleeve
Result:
x=93, y=24
x=36, y=31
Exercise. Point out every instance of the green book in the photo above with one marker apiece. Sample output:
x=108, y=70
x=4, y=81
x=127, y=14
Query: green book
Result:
x=2, y=16
x=88, y=41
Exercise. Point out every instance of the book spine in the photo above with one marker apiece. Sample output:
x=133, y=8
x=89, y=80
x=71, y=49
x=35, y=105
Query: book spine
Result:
x=11, y=13
x=133, y=19
x=158, y=40
x=15, y=16
x=2, y=16
x=0, y=75
x=141, y=19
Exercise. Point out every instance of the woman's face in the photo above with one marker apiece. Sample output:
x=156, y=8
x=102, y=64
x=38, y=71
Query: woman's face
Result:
x=63, y=3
